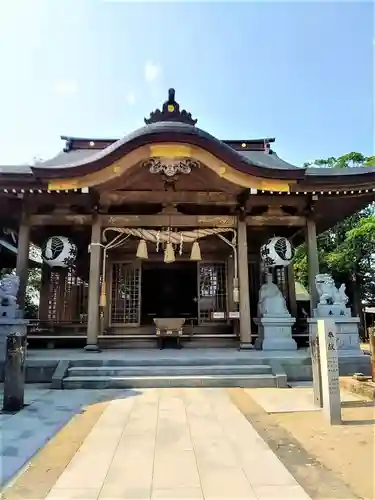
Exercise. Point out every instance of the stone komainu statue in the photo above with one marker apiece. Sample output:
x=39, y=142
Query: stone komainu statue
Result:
x=9, y=286
x=328, y=293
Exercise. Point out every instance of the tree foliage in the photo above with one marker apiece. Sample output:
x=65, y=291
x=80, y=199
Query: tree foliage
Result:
x=347, y=251
x=350, y=160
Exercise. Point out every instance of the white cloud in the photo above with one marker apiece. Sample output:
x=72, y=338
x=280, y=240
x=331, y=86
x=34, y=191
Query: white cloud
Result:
x=130, y=98
x=66, y=87
x=151, y=71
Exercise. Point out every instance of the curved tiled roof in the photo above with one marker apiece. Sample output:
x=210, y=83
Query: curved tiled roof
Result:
x=261, y=158
x=266, y=164
x=252, y=162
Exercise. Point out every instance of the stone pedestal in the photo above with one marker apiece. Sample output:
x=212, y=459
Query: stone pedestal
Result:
x=331, y=311
x=346, y=332
x=351, y=357
x=275, y=333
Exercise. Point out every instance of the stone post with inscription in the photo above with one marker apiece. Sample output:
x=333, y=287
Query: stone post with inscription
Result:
x=329, y=365
x=14, y=372
x=13, y=330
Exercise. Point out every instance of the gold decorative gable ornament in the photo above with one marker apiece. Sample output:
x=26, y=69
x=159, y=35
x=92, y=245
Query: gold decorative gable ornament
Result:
x=169, y=167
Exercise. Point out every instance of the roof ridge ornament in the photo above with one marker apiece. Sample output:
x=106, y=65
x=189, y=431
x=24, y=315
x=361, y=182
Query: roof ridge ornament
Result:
x=170, y=112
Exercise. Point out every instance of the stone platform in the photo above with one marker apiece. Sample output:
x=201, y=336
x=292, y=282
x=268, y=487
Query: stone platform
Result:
x=185, y=368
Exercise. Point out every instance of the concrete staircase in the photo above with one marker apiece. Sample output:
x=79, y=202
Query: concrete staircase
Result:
x=170, y=372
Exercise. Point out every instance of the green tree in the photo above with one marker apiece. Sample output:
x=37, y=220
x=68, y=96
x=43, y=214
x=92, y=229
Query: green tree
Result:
x=350, y=160
x=33, y=292
x=347, y=251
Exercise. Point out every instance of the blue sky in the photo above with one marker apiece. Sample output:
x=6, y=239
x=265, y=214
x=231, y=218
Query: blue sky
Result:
x=302, y=72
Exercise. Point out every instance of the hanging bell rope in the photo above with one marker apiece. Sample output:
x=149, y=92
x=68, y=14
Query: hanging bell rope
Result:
x=233, y=244
x=116, y=242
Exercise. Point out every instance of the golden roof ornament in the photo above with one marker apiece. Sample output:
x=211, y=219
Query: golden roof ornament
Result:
x=170, y=112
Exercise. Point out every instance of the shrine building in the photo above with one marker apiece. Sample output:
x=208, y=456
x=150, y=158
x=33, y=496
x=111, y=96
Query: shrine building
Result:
x=166, y=222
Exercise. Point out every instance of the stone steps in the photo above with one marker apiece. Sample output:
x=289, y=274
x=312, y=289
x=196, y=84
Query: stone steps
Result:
x=132, y=382
x=177, y=358
x=168, y=370
x=171, y=368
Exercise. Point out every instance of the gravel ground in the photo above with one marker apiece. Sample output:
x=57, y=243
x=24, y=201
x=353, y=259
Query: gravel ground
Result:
x=348, y=450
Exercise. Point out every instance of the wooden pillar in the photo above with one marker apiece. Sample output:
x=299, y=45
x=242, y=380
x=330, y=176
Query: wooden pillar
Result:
x=22, y=266
x=60, y=299
x=243, y=274
x=45, y=291
x=93, y=322
x=108, y=284
x=313, y=261
x=291, y=291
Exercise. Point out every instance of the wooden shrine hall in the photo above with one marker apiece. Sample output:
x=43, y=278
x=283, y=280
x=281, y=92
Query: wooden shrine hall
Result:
x=166, y=222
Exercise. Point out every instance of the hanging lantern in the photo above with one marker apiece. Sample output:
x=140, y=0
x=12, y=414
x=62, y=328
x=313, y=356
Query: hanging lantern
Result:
x=169, y=255
x=278, y=251
x=195, y=252
x=103, y=296
x=59, y=251
x=142, y=252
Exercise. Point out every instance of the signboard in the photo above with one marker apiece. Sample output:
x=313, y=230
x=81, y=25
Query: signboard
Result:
x=218, y=315
x=234, y=315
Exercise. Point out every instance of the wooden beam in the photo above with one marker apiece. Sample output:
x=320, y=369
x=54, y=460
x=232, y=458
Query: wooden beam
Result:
x=276, y=201
x=199, y=197
x=60, y=220
x=285, y=220
x=157, y=220
x=163, y=220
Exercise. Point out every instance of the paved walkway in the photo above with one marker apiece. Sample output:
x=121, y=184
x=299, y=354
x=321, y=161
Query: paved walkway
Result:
x=175, y=444
x=47, y=411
